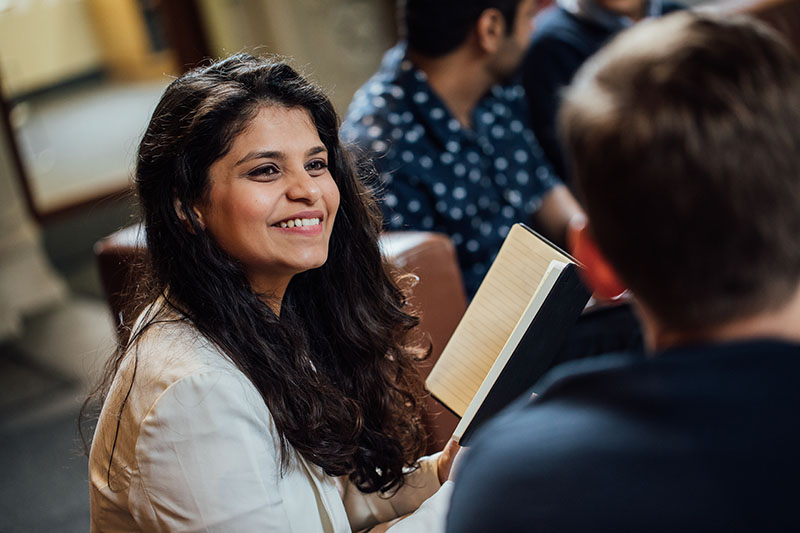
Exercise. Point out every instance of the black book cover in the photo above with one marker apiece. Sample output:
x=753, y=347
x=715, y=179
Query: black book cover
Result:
x=538, y=348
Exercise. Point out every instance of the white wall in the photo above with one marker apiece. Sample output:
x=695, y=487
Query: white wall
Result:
x=338, y=43
x=45, y=41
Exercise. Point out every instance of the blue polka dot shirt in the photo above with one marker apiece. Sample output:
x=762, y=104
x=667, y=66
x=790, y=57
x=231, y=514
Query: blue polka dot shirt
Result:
x=470, y=183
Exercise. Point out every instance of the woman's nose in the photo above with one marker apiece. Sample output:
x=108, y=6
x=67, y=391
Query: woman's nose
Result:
x=303, y=188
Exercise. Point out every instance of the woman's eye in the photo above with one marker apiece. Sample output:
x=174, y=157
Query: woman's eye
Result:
x=265, y=171
x=317, y=165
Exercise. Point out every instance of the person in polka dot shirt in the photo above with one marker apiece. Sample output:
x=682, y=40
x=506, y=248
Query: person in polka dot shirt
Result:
x=449, y=136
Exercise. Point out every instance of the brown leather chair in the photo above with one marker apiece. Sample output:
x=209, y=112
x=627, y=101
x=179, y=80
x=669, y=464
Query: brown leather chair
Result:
x=437, y=295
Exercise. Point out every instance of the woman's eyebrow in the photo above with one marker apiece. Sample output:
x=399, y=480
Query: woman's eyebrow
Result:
x=268, y=154
x=276, y=154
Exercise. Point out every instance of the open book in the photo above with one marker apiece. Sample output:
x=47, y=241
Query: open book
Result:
x=511, y=331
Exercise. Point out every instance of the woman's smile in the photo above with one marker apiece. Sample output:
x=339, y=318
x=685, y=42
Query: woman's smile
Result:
x=304, y=223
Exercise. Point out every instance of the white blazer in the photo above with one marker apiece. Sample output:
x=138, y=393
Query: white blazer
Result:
x=197, y=450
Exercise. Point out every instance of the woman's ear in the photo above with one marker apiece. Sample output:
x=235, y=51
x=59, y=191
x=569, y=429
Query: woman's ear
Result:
x=598, y=274
x=178, y=205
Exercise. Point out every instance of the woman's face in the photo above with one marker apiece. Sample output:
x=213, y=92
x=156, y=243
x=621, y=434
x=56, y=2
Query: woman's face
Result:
x=273, y=200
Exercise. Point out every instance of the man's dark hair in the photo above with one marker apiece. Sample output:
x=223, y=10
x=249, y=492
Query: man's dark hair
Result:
x=684, y=137
x=436, y=27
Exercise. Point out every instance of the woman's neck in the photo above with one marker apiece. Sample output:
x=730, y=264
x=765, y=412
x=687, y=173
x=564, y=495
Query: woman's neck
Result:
x=270, y=291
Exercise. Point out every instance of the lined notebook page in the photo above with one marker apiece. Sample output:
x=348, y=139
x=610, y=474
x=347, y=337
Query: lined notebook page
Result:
x=491, y=317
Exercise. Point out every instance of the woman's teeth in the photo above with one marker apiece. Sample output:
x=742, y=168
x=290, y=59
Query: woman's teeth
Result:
x=297, y=222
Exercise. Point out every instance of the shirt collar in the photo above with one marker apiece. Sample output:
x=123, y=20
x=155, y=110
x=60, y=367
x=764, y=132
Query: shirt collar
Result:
x=426, y=105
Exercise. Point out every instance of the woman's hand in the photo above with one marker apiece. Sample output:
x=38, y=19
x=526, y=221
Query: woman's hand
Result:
x=445, y=460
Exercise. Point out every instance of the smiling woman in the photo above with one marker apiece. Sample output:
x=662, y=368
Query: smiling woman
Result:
x=270, y=384
x=273, y=200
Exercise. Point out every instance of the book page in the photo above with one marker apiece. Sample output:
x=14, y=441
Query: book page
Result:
x=539, y=296
x=490, y=318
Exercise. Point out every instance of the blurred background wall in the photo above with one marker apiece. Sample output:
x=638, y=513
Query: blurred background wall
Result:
x=81, y=76
x=338, y=43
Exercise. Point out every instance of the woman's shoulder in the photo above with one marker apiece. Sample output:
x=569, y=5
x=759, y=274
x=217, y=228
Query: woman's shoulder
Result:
x=170, y=352
x=168, y=369
x=168, y=344
x=174, y=395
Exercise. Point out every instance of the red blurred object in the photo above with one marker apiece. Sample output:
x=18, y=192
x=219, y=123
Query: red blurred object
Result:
x=596, y=272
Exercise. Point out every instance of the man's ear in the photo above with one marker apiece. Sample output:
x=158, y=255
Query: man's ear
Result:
x=598, y=274
x=491, y=30
x=178, y=205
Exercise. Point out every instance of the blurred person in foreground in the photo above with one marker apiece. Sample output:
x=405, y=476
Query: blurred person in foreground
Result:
x=566, y=35
x=449, y=134
x=270, y=384
x=683, y=134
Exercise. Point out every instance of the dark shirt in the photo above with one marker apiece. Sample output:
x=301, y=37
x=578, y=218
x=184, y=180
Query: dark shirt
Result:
x=471, y=184
x=702, y=438
x=561, y=43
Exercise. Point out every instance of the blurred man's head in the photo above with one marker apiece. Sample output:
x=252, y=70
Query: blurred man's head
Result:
x=630, y=8
x=435, y=28
x=684, y=135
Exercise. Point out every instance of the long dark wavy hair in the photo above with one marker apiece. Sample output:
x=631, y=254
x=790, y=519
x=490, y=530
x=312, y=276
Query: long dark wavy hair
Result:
x=355, y=410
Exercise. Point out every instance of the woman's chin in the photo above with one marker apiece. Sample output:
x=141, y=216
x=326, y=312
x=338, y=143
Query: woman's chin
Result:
x=310, y=263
